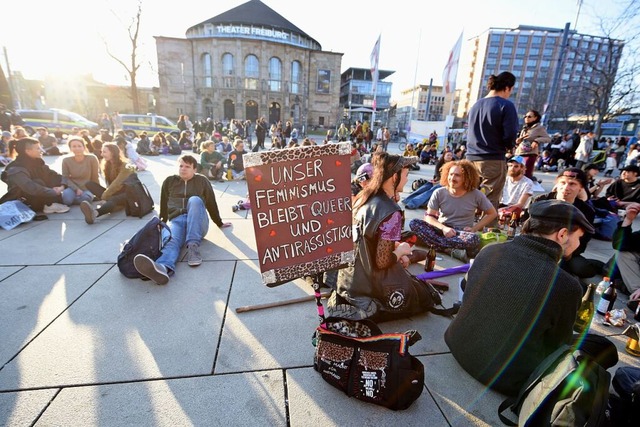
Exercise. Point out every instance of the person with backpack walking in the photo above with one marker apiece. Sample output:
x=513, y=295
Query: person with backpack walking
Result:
x=185, y=200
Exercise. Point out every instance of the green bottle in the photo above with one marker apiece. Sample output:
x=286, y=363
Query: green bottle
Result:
x=585, y=312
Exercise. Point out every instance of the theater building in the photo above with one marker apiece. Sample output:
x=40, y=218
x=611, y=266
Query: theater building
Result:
x=246, y=63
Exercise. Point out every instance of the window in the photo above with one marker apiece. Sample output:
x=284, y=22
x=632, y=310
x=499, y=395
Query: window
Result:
x=275, y=74
x=251, y=72
x=324, y=81
x=206, y=66
x=536, y=40
x=227, y=65
x=507, y=50
x=296, y=73
x=520, y=51
x=493, y=50
x=508, y=38
x=534, y=51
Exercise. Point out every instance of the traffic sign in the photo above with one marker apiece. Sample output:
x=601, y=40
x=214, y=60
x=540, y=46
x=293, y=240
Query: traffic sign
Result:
x=624, y=118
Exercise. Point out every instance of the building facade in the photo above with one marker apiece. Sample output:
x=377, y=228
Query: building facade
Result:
x=246, y=63
x=532, y=54
x=424, y=103
x=356, y=95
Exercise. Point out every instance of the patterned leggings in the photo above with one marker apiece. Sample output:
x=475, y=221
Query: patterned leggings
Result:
x=432, y=236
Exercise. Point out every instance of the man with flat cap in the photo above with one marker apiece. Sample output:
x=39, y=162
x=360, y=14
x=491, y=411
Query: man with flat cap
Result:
x=519, y=306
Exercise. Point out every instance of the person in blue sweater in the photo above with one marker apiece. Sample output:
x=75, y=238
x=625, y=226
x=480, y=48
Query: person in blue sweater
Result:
x=493, y=127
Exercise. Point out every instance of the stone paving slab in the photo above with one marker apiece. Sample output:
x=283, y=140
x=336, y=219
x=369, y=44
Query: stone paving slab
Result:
x=125, y=330
x=251, y=399
x=33, y=297
x=265, y=339
x=8, y=271
x=313, y=402
x=23, y=408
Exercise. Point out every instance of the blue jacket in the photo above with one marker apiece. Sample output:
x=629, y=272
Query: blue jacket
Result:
x=493, y=127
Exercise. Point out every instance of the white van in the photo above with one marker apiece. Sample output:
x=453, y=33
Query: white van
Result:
x=133, y=124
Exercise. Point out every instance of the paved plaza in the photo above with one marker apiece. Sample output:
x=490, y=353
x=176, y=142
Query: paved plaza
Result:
x=81, y=345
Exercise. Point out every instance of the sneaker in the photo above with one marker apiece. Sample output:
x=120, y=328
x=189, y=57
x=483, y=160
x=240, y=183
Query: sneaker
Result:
x=235, y=208
x=151, y=269
x=90, y=214
x=460, y=255
x=55, y=208
x=194, y=258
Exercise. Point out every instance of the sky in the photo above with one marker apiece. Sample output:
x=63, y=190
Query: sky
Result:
x=69, y=37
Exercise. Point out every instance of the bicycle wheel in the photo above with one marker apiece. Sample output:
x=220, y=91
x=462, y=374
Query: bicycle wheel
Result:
x=402, y=146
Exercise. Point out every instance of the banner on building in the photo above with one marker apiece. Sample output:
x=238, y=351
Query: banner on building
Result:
x=301, y=208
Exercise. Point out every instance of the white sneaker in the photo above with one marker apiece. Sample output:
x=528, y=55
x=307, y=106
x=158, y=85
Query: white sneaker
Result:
x=55, y=208
x=90, y=214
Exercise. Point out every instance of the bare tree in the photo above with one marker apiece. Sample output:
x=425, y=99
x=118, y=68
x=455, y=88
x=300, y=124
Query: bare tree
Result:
x=611, y=83
x=133, y=31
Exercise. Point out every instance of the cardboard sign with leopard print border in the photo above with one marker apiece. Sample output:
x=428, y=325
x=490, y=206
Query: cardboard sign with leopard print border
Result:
x=301, y=209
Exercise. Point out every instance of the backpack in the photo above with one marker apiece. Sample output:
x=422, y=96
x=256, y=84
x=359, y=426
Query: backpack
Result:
x=567, y=389
x=139, y=201
x=147, y=241
x=625, y=407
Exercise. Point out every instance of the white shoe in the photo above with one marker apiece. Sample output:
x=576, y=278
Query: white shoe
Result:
x=90, y=214
x=55, y=208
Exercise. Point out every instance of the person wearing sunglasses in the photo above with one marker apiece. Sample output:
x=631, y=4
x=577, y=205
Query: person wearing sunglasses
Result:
x=531, y=137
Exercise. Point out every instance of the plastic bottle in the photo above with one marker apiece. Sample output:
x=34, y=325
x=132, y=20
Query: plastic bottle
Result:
x=585, y=312
x=603, y=285
x=430, y=263
x=607, y=300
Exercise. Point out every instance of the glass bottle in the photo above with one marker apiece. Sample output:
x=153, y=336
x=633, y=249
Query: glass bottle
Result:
x=586, y=311
x=602, y=286
x=607, y=300
x=430, y=263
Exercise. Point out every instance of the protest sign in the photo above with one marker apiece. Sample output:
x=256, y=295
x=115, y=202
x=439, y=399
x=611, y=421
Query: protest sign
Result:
x=301, y=209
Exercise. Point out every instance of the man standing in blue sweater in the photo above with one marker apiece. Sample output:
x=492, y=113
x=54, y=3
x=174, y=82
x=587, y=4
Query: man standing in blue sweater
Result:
x=493, y=127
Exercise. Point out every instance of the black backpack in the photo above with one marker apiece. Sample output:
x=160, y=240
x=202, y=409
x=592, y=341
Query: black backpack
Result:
x=139, y=201
x=625, y=406
x=567, y=389
x=147, y=241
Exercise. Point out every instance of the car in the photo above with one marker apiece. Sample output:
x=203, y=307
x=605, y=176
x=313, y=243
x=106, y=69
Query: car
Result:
x=55, y=120
x=133, y=124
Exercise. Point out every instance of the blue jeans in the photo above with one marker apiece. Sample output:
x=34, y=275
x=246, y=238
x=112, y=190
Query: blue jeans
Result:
x=186, y=228
x=421, y=196
x=71, y=198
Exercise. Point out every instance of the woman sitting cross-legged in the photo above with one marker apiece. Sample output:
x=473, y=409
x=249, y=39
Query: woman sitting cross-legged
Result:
x=449, y=220
x=115, y=171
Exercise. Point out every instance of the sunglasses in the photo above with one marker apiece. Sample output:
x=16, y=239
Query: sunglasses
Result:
x=529, y=116
x=570, y=174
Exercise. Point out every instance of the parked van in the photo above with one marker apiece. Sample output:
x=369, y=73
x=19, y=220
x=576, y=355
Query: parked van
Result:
x=56, y=121
x=133, y=124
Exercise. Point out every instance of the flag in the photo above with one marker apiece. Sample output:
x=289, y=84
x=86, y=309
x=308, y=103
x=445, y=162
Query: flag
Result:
x=375, y=55
x=451, y=70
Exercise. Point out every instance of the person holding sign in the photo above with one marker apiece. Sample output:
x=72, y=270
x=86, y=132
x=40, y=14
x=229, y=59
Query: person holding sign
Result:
x=185, y=200
x=377, y=285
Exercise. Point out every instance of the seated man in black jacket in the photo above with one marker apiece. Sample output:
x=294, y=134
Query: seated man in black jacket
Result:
x=519, y=306
x=185, y=200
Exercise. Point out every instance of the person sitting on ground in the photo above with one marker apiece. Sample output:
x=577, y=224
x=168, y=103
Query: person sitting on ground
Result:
x=363, y=289
x=519, y=306
x=626, y=243
x=115, y=170
x=224, y=146
x=185, y=200
x=449, y=220
x=625, y=190
x=130, y=153
x=49, y=143
x=546, y=162
x=29, y=179
x=611, y=164
x=362, y=179
x=174, y=146
x=235, y=162
x=144, y=146
x=158, y=143
x=420, y=197
x=211, y=161
x=80, y=167
x=569, y=183
x=4, y=148
x=518, y=189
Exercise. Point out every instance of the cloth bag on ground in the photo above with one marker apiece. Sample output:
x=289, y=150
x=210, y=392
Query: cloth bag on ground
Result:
x=376, y=369
x=14, y=213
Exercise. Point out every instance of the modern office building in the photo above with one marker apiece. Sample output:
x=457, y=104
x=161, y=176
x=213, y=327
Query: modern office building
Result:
x=532, y=54
x=246, y=63
x=356, y=95
x=424, y=103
